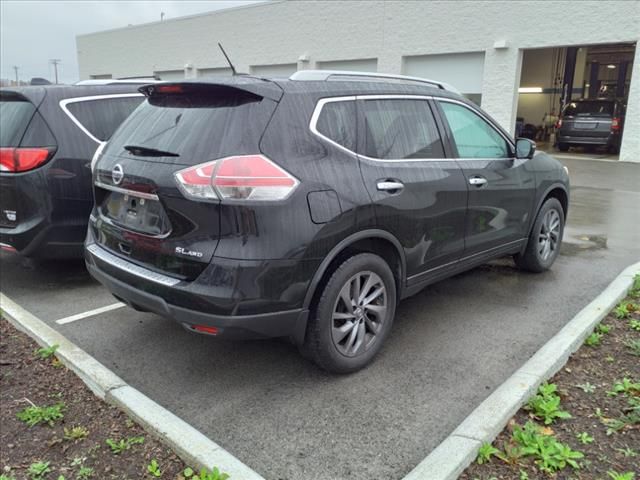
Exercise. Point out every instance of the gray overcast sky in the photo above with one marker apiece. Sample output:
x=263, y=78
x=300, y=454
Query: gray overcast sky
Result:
x=32, y=32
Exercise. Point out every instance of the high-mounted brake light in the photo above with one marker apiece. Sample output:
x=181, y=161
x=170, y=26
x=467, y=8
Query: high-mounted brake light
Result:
x=245, y=177
x=22, y=159
x=168, y=89
x=615, y=124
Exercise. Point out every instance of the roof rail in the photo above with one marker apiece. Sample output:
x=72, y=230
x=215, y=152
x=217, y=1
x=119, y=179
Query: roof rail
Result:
x=324, y=75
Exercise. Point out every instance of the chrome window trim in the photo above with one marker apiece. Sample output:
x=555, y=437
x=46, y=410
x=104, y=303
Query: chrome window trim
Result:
x=316, y=115
x=131, y=268
x=133, y=193
x=323, y=101
x=63, y=105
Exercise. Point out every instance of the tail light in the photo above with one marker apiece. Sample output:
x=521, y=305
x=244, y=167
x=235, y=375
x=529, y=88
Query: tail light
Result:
x=615, y=124
x=7, y=248
x=559, y=124
x=246, y=177
x=23, y=159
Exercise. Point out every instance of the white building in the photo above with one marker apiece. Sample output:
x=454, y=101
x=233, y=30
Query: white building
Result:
x=487, y=49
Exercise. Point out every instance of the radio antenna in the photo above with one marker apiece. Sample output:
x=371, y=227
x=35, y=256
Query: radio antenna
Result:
x=233, y=69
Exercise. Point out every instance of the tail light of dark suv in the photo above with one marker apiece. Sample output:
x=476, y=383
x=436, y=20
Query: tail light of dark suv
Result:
x=16, y=160
x=243, y=177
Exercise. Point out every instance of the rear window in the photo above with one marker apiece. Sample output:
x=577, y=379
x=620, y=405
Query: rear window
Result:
x=15, y=114
x=400, y=129
x=337, y=122
x=191, y=128
x=595, y=109
x=101, y=117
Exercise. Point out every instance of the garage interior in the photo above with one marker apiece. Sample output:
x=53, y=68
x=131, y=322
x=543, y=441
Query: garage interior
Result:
x=553, y=77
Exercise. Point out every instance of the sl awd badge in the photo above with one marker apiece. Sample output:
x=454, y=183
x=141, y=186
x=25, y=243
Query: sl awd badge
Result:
x=189, y=253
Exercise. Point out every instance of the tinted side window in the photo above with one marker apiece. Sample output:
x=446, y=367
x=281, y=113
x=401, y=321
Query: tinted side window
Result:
x=337, y=121
x=399, y=129
x=14, y=117
x=474, y=137
x=103, y=116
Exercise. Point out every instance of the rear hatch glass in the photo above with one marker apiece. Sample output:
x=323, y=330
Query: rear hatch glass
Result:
x=15, y=115
x=201, y=124
x=589, y=109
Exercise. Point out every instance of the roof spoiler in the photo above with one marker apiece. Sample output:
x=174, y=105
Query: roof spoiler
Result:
x=260, y=88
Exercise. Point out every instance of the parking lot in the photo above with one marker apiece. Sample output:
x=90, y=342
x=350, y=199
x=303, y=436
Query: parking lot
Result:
x=451, y=346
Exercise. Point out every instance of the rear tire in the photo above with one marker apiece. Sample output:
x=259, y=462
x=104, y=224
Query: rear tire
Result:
x=563, y=147
x=353, y=316
x=545, y=239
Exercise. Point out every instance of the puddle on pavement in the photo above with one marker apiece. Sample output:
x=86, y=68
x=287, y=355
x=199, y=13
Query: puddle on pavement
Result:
x=582, y=243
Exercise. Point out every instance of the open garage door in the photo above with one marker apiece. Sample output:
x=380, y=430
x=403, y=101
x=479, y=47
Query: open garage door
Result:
x=573, y=100
x=461, y=70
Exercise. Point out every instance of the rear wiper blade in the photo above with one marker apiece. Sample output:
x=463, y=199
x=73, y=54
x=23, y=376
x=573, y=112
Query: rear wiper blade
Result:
x=148, y=151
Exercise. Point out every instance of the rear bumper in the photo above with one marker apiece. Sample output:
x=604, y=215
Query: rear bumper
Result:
x=40, y=238
x=37, y=223
x=583, y=140
x=154, y=296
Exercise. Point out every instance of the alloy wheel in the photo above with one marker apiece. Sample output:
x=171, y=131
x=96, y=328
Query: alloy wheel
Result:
x=359, y=313
x=549, y=235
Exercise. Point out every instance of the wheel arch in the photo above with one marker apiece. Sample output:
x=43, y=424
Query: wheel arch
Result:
x=556, y=190
x=379, y=242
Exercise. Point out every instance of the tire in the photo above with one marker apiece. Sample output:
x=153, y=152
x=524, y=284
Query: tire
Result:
x=540, y=252
x=344, y=339
x=613, y=149
x=563, y=147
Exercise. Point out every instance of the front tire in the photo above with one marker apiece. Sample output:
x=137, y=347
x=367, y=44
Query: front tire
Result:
x=545, y=239
x=353, y=316
x=563, y=147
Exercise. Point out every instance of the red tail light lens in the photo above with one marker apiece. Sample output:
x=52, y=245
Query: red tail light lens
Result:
x=559, y=123
x=169, y=89
x=22, y=159
x=615, y=124
x=205, y=329
x=246, y=177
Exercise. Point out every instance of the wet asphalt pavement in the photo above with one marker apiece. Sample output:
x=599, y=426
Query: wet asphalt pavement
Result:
x=451, y=346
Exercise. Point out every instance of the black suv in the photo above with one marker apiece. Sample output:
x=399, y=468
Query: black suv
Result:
x=591, y=123
x=48, y=135
x=309, y=207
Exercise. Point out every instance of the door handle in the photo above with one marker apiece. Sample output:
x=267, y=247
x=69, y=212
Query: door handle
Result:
x=390, y=185
x=478, y=181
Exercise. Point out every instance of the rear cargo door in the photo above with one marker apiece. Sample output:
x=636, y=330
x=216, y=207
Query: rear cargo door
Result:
x=142, y=211
x=588, y=119
x=25, y=144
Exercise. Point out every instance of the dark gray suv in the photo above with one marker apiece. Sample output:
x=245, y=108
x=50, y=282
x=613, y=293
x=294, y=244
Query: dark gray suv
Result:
x=591, y=123
x=309, y=207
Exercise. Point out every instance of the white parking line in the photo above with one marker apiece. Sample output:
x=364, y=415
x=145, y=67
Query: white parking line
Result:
x=90, y=313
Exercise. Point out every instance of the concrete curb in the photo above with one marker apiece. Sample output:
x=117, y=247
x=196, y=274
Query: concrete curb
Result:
x=189, y=444
x=449, y=459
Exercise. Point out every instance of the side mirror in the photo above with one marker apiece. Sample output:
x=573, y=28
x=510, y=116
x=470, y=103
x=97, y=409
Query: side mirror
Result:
x=525, y=148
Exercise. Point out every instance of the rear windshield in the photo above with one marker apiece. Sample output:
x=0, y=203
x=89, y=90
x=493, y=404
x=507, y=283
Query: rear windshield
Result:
x=594, y=109
x=15, y=114
x=194, y=128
